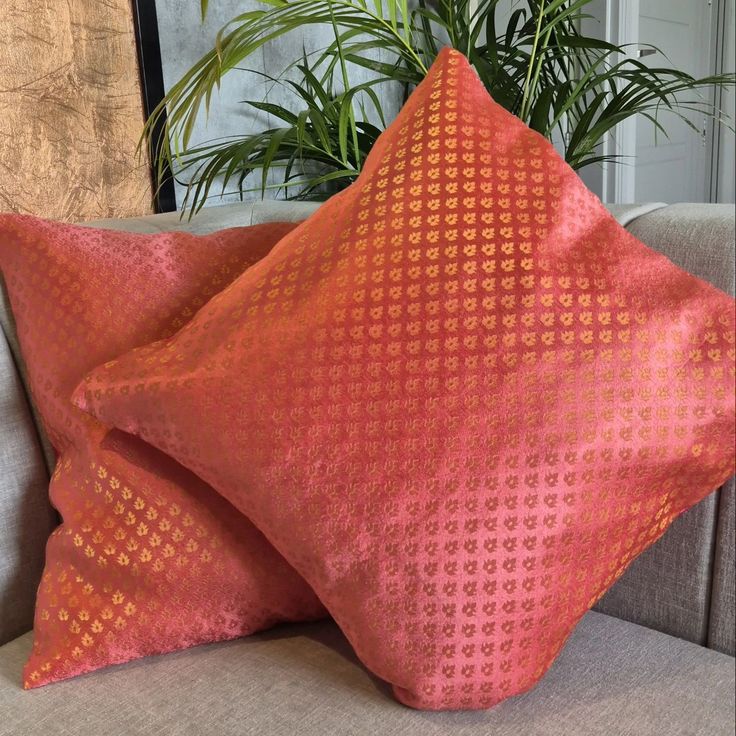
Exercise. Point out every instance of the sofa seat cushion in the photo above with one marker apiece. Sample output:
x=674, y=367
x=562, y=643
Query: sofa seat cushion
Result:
x=612, y=677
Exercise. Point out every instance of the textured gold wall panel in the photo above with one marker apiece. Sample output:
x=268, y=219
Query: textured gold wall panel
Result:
x=70, y=110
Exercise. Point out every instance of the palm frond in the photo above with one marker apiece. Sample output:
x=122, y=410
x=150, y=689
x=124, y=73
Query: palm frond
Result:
x=539, y=66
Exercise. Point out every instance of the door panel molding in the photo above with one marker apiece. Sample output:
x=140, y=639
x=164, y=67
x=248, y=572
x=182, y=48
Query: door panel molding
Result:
x=619, y=179
x=622, y=26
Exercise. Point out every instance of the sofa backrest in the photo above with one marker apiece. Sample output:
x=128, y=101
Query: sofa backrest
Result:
x=683, y=585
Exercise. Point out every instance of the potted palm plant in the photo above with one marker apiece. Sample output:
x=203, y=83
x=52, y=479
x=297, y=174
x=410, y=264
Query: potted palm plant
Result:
x=537, y=64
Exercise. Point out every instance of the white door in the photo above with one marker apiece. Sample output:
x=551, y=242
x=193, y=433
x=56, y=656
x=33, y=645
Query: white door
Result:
x=676, y=169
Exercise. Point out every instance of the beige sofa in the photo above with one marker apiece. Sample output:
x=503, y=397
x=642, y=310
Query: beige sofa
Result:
x=655, y=658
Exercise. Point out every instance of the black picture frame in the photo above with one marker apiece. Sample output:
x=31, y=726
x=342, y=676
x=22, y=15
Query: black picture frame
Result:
x=153, y=91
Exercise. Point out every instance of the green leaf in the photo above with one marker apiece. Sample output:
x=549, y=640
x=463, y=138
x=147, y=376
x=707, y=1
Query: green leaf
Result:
x=538, y=66
x=276, y=110
x=585, y=42
x=318, y=121
x=343, y=126
x=541, y=111
x=491, y=42
x=271, y=151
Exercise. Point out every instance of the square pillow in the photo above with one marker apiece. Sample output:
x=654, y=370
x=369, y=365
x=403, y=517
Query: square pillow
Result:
x=148, y=558
x=460, y=399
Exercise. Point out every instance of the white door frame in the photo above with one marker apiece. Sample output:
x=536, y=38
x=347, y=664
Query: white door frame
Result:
x=720, y=65
x=622, y=27
x=619, y=179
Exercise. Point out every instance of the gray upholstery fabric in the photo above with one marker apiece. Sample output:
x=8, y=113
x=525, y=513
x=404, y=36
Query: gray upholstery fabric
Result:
x=210, y=219
x=26, y=519
x=254, y=213
x=627, y=213
x=722, y=632
x=668, y=587
x=7, y=326
x=697, y=237
x=612, y=679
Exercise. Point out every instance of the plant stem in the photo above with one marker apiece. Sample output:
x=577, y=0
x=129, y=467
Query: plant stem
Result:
x=346, y=85
x=407, y=47
x=451, y=24
x=526, y=99
x=538, y=68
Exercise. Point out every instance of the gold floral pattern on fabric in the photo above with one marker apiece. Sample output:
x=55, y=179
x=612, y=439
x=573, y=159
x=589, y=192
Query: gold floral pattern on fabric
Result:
x=460, y=399
x=148, y=558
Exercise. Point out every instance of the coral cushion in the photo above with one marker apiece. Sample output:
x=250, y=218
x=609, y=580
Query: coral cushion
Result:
x=459, y=399
x=148, y=558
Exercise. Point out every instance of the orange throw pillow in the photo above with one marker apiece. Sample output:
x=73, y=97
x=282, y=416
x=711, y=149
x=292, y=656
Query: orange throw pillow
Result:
x=148, y=558
x=460, y=399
